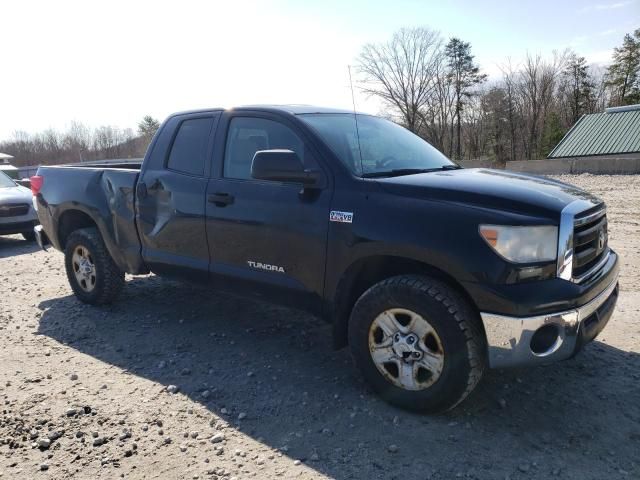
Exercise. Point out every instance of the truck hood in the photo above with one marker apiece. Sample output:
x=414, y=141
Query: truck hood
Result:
x=494, y=189
x=15, y=194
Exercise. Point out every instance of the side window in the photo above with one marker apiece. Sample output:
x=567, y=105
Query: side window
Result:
x=189, y=151
x=248, y=135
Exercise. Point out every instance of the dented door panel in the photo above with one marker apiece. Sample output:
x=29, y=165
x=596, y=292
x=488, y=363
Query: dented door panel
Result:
x=171, y=221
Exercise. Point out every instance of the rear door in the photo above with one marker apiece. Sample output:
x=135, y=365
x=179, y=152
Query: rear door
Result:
x=266, y=237
x=171, y=196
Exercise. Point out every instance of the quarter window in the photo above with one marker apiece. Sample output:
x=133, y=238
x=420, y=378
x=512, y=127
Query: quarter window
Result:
x=248, y=135
x=189, y=150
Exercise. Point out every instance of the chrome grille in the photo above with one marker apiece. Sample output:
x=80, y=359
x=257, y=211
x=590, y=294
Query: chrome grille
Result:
x=590, y=242
x=14, y=209
x=582, y=240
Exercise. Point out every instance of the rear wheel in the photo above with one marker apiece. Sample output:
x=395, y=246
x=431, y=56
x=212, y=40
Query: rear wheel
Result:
x=92, y=273
x=417, y=342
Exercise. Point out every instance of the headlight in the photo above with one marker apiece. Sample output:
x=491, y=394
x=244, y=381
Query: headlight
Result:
x=522, y=244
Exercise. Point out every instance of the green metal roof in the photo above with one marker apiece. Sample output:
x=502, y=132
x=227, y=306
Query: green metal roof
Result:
x=615, y=131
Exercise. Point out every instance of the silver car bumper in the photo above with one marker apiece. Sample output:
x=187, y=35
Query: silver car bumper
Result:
x=515, y=341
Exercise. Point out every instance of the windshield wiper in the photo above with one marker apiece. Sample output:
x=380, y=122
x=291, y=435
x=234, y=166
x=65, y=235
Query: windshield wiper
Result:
x=397, y=172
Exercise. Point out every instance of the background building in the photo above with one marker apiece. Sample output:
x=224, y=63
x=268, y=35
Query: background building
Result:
x=613, y=134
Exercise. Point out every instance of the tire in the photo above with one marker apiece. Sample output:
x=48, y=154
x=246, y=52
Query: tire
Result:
x=29, y=236
x=451, y=355
x=103, y=284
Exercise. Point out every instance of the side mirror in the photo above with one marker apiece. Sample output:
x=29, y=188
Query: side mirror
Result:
x=281, y=166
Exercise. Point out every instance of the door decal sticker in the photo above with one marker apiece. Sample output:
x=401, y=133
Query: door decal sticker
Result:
x=342, y=217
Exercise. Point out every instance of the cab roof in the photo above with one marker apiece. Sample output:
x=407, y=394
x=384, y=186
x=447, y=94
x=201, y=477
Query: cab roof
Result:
x=293, y=109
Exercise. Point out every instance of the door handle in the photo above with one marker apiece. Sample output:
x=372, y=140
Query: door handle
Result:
x=221, y=199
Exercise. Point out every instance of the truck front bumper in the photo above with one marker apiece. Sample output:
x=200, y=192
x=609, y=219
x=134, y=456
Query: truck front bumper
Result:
x=518, y=341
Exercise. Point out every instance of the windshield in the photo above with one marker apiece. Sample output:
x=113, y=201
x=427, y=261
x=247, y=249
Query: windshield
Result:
x=385, y=147
x=5, y=181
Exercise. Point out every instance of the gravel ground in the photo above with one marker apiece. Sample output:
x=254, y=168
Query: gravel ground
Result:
x=178, y=382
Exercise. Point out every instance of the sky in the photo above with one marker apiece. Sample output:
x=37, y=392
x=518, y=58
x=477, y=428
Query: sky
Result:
x=110, y=62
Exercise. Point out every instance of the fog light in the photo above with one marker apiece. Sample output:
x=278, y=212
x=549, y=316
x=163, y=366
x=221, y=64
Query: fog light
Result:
x=546, y=340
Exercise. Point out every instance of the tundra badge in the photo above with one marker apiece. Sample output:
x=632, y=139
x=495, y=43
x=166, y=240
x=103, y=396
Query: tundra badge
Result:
x=265, y=266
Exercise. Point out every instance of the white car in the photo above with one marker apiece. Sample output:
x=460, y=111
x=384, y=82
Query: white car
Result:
x=16, y=209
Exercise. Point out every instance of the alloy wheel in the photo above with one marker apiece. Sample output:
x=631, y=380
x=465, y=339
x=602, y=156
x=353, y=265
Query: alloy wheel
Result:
x=406, y=349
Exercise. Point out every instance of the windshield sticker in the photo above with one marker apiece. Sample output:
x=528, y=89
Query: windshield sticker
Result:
x=342, y=217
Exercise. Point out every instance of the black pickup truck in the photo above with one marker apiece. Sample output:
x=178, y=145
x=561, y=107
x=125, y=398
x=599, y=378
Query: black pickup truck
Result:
x=429, y=272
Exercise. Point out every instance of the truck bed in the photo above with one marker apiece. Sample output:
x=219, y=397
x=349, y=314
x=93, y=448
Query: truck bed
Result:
x=106, y=194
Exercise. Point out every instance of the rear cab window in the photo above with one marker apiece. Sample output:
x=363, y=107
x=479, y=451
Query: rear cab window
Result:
x=189, y=150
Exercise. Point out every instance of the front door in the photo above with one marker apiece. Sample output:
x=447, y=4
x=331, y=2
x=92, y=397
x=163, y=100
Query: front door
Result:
x=171, y=197
x=268, y=237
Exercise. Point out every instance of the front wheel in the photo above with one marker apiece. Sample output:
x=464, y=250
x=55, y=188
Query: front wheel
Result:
x=417, y=342
x=93, y=275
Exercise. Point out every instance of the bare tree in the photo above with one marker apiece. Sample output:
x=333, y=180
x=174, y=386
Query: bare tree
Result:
x=509, y=76
x=78, y=143
x=402, y=71
x=476, y=120
x=601, y=90
x=427, y=85
x=537, y=82
x=77, y=140
x=438, y=113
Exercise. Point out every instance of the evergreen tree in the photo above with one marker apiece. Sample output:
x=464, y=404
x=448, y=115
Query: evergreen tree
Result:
x=148, y=126
x=623, y=75
x=464, y=74
x=578, y=86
